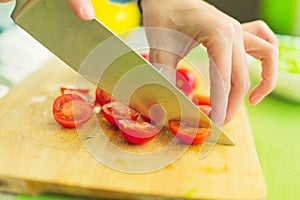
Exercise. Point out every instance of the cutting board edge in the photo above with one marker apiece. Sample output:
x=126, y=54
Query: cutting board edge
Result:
x=14, y=185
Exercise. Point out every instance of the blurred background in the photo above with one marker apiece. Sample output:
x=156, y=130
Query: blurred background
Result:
x=282, y=16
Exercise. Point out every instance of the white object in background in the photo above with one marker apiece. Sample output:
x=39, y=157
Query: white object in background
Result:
x=20, y=55
x=5, y=12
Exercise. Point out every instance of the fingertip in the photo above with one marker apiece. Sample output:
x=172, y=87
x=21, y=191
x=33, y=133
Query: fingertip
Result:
x=83, y=9
x=87, y=11
x=217, y=116
x=254, y=99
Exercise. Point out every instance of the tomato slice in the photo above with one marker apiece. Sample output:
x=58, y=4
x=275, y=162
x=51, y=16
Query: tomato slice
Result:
x=115, y=110
x=206, y=109
x=102, y=97
x=188, y=134
x=71, y=110
x=185, y=80
x=136, y=132
x=200, y=99
x=69, y=89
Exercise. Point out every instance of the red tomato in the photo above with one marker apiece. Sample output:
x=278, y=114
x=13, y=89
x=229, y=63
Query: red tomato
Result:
x=83, y=92
x=70, y=110
x=145, y=55
x=145, y=118
x=68, y=89
x=137, y=132
x=199, y=99
x=185, y=80
x=102, y=97
x=115, y=110
x=188, y=134
x=206, y=109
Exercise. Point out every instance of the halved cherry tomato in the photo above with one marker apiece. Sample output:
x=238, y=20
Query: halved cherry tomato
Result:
x=188, y=134
x=200, y=99
x=137, y=132
x=69, y=89
x=115, y=110
x=83, y=92
x=71, y=110
x=206, y=109
x=102, y=97
x=185, y=80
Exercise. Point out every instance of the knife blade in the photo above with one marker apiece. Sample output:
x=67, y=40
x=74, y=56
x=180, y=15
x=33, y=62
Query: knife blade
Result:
x=85, y=45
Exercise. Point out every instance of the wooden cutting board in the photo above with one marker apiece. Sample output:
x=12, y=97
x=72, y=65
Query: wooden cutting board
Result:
x=39, y=156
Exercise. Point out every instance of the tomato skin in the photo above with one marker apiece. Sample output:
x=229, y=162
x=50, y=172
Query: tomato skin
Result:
x=102, y=97
x=71, y=110
x=115, y=110
x=206, y=109
x=69, y=89
x=145, y=55
x=145, y=118
x=200, y=99
x=185, y=80
x=136, y=132
x=188, y=134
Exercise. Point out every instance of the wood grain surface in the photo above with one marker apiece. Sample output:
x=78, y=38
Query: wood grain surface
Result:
x=39, y=156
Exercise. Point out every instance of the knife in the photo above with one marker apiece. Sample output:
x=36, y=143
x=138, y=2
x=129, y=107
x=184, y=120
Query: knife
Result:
x=101, y=57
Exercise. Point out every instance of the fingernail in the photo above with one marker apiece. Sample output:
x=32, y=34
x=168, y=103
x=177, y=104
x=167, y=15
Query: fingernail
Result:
x=87, y=11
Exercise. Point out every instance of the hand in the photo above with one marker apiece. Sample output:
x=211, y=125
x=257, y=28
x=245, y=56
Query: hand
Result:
x=192, y=22
x=83, y=9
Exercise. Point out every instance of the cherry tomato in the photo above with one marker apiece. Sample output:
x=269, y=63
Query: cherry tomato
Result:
x=83, y=92
x=69, y=89
x=185, y=80
x=136, y=132
x=145, y=55
x=71, y=110
x=206, y=109
x=188, y=134
x=102, y=97
x=145, y=118
x=115, y=110
x=199, y=99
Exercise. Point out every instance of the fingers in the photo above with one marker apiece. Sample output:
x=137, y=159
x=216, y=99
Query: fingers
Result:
x=268, y=54
x=220, y=53
x=83, y=9
x=262, y=30
x=240, y=82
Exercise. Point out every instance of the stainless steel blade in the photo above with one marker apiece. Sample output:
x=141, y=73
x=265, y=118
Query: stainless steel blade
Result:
x=74, y=41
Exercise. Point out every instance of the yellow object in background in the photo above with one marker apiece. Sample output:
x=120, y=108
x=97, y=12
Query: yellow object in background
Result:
x=117, y=16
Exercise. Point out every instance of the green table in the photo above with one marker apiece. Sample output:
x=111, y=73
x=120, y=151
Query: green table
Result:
x=276, y=129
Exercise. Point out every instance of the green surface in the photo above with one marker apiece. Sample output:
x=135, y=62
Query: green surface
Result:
x=276, y=128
